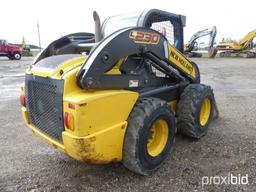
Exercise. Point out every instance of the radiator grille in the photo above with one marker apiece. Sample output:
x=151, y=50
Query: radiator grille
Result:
x=44, y=105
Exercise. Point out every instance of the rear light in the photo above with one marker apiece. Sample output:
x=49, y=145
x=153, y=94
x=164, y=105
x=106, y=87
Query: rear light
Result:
x=69, y=121
x=23, y=100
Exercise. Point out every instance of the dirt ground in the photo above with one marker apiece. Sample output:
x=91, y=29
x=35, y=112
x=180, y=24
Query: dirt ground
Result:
x=27, y=163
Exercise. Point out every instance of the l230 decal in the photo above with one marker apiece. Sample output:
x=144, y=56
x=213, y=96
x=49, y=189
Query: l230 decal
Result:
x=144, y=37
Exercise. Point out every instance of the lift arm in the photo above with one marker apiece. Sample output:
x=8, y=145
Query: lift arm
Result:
x=136, y=42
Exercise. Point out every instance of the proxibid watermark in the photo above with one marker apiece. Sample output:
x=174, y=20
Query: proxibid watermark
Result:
x=230, y=179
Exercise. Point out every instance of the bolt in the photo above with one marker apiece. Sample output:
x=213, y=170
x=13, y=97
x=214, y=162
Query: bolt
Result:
x=106, y=57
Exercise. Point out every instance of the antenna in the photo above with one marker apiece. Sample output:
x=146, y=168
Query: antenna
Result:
x=38, y=31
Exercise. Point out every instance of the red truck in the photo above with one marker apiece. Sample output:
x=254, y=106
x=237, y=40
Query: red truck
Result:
x=10, y=51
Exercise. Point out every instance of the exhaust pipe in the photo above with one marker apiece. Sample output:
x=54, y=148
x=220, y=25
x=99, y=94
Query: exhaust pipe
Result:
x=98, y=35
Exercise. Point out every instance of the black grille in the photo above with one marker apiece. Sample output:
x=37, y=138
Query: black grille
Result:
x=44, y=105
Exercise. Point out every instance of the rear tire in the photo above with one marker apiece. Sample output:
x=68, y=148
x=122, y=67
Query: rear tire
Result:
x=195, y=110
x=144, y=150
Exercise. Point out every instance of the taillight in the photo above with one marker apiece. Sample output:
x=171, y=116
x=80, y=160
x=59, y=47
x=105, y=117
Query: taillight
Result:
x=69, y=121
x=23, y=100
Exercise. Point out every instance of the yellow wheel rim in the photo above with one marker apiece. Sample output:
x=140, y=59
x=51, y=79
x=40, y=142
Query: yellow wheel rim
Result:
x=158, y=137
x=205, y=112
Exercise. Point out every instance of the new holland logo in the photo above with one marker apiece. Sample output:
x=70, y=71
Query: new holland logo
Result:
x=181, y=61
x=144, y=37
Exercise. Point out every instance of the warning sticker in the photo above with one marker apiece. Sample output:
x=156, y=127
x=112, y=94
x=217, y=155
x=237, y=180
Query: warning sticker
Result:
x=133, y=83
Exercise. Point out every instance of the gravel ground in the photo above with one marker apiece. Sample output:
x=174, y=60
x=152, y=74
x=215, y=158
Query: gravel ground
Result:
x=27, y=163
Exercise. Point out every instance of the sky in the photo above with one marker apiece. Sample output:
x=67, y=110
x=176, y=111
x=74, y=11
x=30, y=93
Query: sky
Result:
x=18, y=18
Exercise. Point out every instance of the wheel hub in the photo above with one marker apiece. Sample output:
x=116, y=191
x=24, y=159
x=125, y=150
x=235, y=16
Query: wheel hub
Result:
x=17, y=56
x=158, y=137
x=205, y=112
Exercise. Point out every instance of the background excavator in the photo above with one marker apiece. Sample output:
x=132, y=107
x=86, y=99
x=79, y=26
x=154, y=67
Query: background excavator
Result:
x=244, y=48
x=192, y=48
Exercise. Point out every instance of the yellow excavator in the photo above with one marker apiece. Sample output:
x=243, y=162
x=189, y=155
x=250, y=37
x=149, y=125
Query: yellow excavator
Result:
x=244, y=48
x=120, y=94
x=192, y=48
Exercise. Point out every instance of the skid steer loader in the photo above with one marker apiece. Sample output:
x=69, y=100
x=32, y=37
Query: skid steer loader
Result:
x=120, y=94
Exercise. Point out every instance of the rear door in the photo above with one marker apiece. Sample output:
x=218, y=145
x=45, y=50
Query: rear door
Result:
x=3, y=46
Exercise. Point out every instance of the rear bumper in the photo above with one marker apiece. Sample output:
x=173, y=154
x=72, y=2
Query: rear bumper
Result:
x=99, y=148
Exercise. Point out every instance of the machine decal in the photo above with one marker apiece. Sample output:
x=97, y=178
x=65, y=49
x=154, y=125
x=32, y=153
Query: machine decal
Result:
x=133, y=83
x=144, y=37
x=181, y=62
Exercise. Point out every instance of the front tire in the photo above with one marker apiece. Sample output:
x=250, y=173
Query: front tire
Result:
x=149, y=137
x=17, y=56
x=195, y=110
